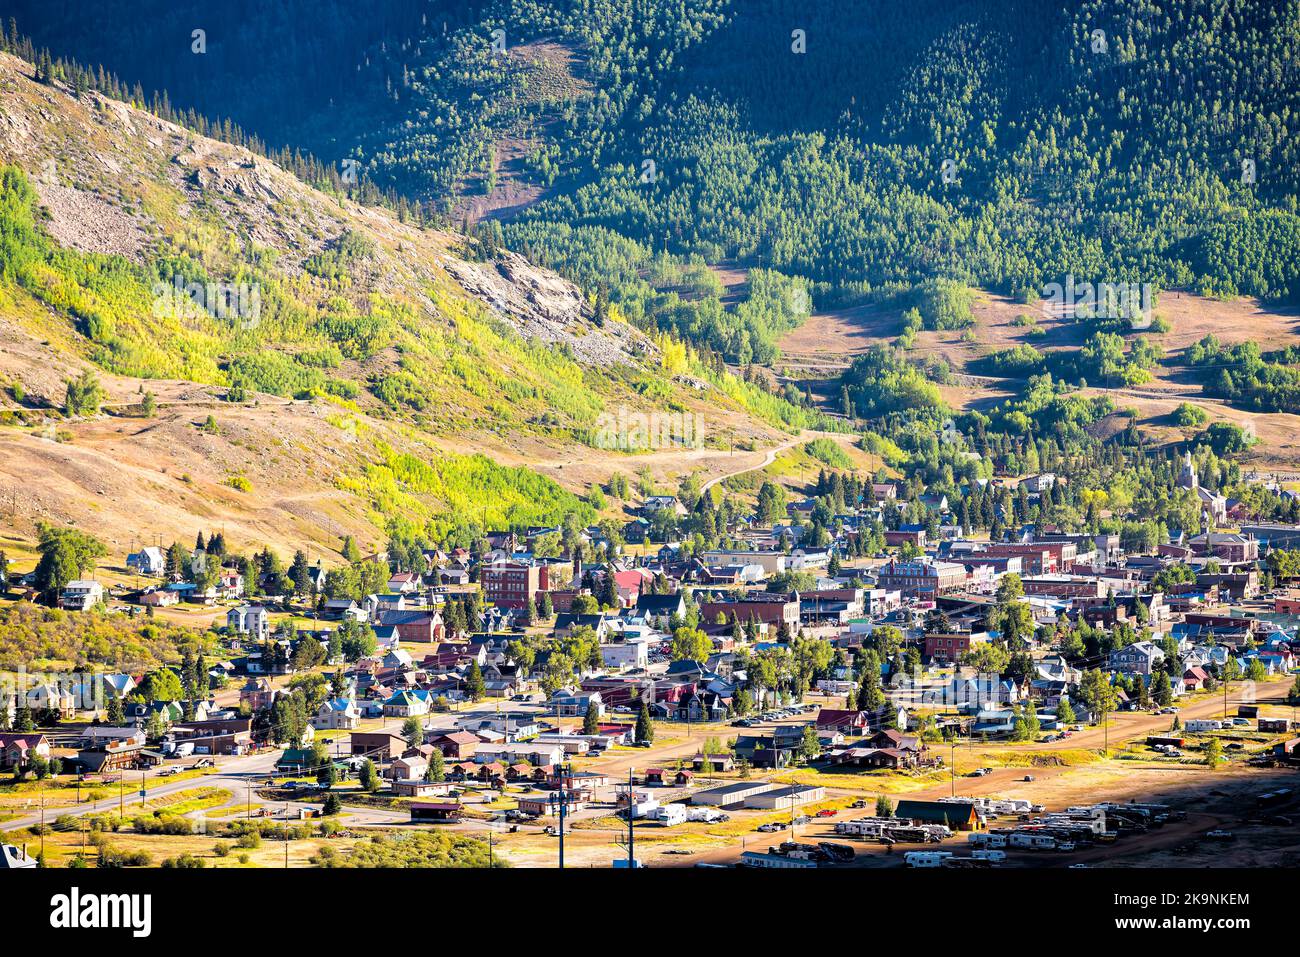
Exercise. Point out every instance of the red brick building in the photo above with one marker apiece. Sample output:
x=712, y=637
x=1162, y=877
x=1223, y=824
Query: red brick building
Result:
x=511, y=584
x=946, y=647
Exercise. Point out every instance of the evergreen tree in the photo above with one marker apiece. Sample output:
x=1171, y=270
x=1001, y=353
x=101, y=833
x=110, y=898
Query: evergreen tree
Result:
x=644, y=729
x=1162, y=691
x=475, y=688
x=413, y=732
x=436, y=771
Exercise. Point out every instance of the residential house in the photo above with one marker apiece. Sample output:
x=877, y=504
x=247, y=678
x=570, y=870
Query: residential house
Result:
x=17, y=748
x=257, y=693
x=337, y=714
x=407, y=704
x=251, y=620
x=81, y=595
x=1137, y=658
x=149, y=560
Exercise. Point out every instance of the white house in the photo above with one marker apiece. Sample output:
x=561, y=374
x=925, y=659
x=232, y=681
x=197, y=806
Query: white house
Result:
x=249, y=620
x=337, y=714
x=149, y=560
x=81, y=595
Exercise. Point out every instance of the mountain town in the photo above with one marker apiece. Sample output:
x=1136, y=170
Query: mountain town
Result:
x=867, y=691
x=514, y=436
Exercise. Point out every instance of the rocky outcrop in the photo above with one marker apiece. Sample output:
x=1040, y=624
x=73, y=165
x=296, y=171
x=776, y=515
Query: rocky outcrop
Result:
x=542, y=305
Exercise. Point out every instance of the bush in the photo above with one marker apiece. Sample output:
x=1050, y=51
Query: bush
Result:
x=112, y=857
x=185, y=861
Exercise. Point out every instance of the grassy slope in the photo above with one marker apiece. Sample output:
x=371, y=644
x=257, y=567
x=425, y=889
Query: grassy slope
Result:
x=828, y=341
x=384, y=366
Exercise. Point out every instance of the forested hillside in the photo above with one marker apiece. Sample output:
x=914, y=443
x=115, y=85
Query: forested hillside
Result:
x=1103, y=139
x=719, y=169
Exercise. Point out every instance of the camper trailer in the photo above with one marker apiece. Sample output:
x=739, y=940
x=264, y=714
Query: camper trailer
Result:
x=670, y=815
x=926, y=858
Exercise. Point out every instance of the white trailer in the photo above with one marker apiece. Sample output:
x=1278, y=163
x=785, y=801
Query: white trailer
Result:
x=699, y=812
x=670, y=814
x=996, y=857
x=1033, y=840
x=926, y=858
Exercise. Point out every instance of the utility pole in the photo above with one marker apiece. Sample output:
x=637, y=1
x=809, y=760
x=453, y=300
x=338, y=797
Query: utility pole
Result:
x=565, y=771
x=631, y=822
x=561, y=799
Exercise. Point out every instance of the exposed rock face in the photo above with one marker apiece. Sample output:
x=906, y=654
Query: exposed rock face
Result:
x=83, y=221
x=544, y=306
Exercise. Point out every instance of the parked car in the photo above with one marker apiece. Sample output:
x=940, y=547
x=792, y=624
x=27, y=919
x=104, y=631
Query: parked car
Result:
x=826, y=812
